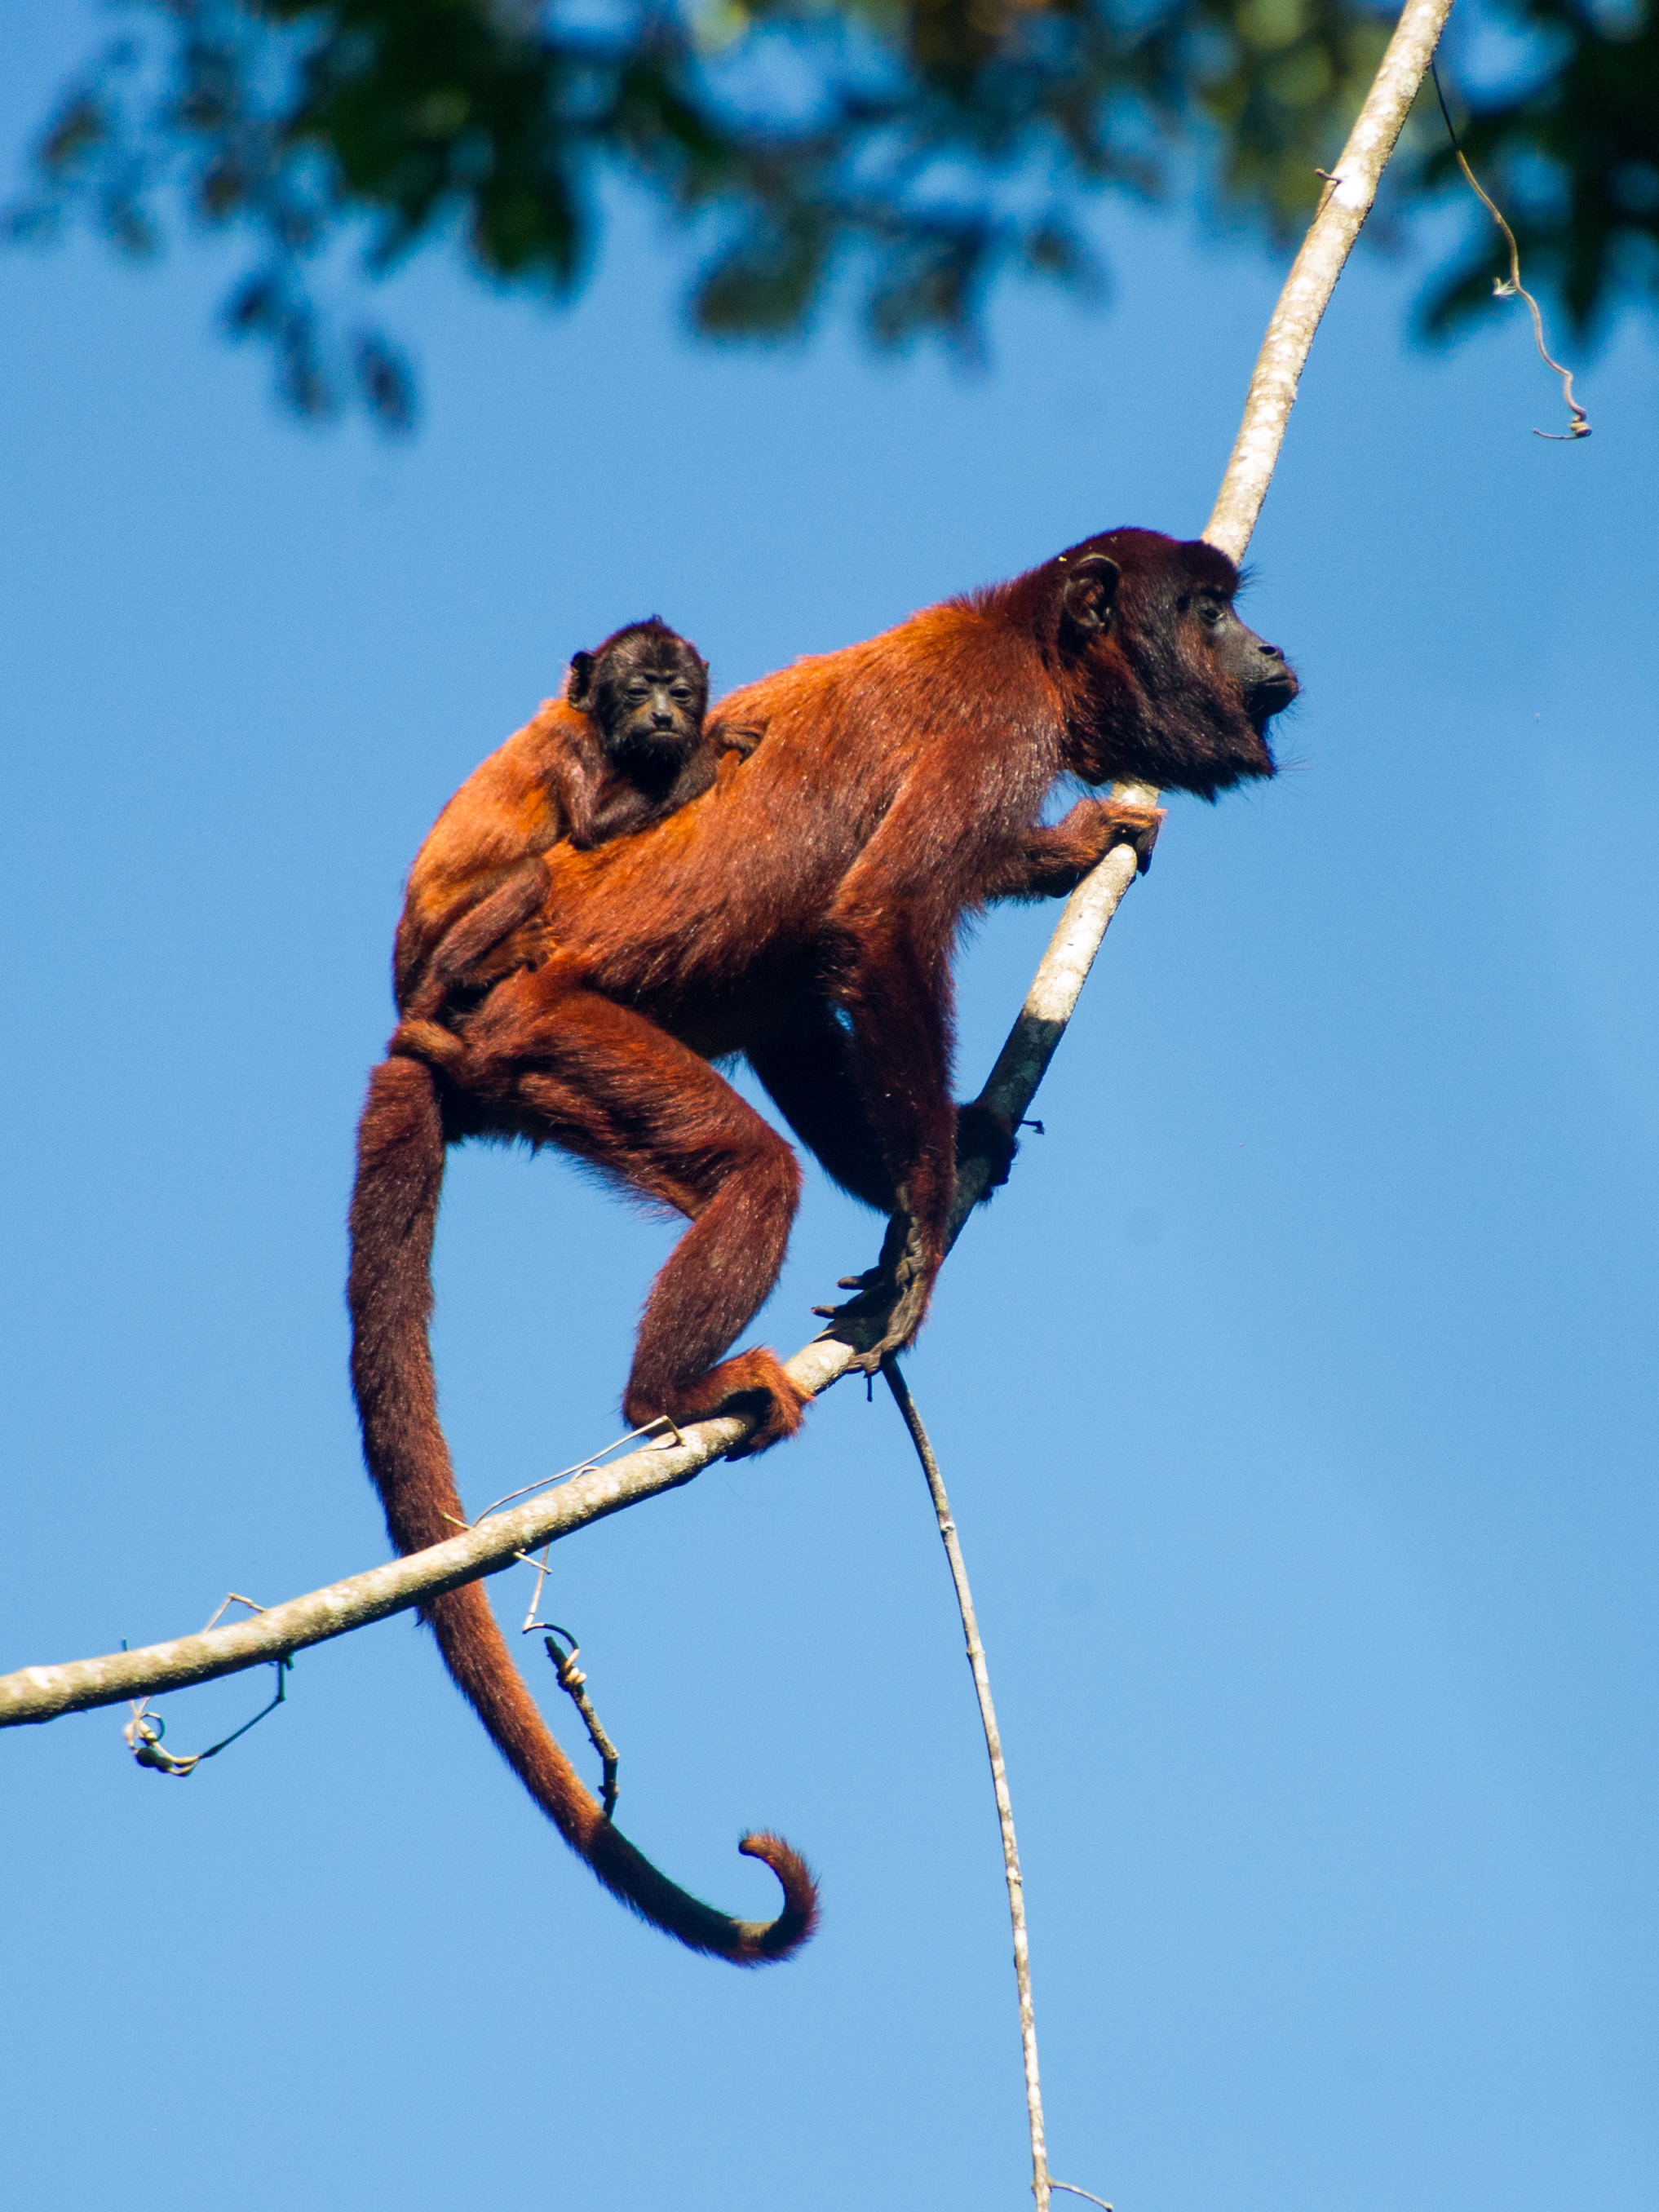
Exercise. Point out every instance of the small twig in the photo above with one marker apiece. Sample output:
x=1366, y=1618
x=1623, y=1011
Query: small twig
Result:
x=577, y=1467
x=571, y=1681
x=1580, y=426
x=145, y=1730
x=571, y=1677
x=530, y=1621
x=1041, y=2183
x=230, y=1598
x=1072, y=2189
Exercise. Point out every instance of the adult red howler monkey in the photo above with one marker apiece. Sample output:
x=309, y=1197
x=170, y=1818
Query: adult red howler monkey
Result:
x=802, y=914
x=625, y=746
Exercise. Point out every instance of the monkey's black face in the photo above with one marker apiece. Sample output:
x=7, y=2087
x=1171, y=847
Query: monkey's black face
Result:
x=1180, y=691
x=646, y=687
x=1261, y=673
x=651, y=702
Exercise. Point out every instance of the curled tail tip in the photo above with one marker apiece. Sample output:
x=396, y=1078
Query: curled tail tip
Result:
x=645, y=1889
x=771, y=1941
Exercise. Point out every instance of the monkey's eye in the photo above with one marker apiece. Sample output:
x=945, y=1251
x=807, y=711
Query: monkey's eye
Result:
x=1210, y=612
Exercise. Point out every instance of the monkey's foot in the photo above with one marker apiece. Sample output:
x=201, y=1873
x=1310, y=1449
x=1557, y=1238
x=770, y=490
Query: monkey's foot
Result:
x=892, y=1298
x=753, y=1382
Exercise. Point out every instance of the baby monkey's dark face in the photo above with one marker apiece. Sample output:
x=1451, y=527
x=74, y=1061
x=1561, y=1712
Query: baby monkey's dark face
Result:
x=649, y=699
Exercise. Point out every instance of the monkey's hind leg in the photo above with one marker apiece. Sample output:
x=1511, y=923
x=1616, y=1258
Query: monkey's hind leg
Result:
x=606, y=1083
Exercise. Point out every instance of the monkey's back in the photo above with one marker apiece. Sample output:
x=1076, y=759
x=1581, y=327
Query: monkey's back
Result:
x=742, y=880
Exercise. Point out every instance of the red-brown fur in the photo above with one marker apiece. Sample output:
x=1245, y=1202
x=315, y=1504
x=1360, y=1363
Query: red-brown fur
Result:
x=802, y=914
x=566, y=776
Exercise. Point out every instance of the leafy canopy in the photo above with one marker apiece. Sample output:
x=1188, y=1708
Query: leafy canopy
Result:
x=910, y=149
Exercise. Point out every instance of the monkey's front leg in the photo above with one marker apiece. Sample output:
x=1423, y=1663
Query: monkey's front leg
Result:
x=1051, y=863
x=892, y=1296
x=886, y=959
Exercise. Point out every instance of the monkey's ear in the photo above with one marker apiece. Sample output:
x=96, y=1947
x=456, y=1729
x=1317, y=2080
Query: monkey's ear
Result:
x=580, y=689
x=1090, y=590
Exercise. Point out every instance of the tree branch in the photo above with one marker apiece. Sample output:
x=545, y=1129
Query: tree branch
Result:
x=1064, y=969
x=42, y=1694
x=1350, y=190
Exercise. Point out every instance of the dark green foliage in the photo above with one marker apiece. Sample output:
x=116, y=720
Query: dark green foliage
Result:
x=914, y=148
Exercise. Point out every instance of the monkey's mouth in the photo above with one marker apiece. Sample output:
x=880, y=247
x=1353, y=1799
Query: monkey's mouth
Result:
x=1271, y=697
x=644, y=741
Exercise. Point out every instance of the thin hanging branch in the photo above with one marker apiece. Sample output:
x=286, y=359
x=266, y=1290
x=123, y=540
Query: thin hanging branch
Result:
x=35, y=1694
x=988, y=1716
x=1024, y=1060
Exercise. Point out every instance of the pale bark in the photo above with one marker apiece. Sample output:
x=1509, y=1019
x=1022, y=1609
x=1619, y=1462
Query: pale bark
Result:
x=1065, y=966
x=1307, y=288
x=1347, y=201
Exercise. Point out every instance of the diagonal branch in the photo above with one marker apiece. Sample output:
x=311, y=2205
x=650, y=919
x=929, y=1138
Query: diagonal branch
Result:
x=42, y=1694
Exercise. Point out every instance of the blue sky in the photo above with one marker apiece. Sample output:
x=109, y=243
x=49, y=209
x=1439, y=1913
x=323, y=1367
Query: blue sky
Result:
x=1297, y=1397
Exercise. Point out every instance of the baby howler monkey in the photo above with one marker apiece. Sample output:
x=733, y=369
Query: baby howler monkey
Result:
x=624, y=747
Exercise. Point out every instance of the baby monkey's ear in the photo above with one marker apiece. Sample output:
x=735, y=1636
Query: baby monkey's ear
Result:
x=579, y=689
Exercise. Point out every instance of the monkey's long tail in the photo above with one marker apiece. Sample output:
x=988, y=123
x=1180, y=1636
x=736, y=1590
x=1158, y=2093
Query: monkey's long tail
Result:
x=394, y=1211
